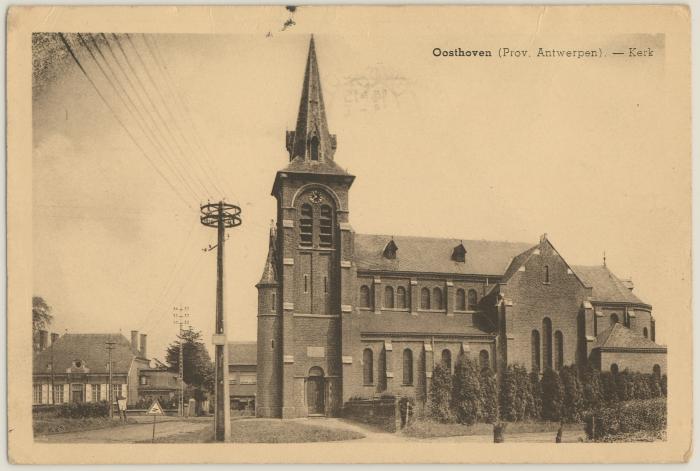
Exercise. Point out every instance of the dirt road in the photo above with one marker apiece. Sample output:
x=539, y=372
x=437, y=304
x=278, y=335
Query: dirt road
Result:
x=130, y=433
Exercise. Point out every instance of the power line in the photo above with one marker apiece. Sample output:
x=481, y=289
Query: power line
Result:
x=121, y=123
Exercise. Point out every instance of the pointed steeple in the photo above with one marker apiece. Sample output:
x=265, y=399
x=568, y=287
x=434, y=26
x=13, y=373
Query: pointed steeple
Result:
x=311, y=141
x=269, y=276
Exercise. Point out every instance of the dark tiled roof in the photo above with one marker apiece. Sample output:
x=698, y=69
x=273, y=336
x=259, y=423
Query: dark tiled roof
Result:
x=619, y=336
x=517, y=262
x=434, y=255
x=90, y=349
x=606, y=286
x=242, y=353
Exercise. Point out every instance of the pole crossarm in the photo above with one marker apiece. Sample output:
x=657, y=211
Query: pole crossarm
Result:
x=212, y=213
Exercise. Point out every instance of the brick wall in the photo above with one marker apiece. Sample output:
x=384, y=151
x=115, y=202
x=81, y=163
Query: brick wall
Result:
x=641, y=362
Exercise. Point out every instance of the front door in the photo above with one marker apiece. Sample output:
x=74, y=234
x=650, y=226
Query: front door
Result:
x=315, y=396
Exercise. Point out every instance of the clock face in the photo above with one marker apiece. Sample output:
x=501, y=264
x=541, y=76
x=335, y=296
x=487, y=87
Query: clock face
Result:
x=316, y=197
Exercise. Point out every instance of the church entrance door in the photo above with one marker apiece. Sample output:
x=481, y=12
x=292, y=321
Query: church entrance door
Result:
x=315, y=388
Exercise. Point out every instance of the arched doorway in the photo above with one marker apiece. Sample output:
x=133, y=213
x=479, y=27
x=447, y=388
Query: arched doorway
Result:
x=315, y=387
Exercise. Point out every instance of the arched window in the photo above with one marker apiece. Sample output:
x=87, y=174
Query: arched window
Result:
x=401, y=297
x=425, y=298
x=313, y=148
x=407, y=366
x=535, y=351
x=546, y=273
x=437, y=298
x=460, y=300
x=484, y=359
x=547, y=342
x=614, y=319
x=364, y=296
x=558, y=350
x=657, y=371
x=472, y=299
x=306, y=224
x=368, y=366
x=326, y=226
x=645, y=332
x=614, y=368
x=389, y=297
x=447, y=359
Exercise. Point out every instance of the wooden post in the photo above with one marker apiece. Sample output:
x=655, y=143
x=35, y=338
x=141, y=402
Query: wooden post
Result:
x=153, y=438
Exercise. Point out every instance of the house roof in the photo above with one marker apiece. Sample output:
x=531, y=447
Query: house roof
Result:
x=606, y=286
x=434, y=255
x=620, y=337
x=90, y=349
x=243, y=353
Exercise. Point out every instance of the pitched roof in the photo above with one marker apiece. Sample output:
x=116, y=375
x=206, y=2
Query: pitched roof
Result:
x=269, y=276
x=324, y=167
x=606, y=286
x=619, y=336
x=90, y=349
x=517, y=262
x=434, y=255
x=242, y=353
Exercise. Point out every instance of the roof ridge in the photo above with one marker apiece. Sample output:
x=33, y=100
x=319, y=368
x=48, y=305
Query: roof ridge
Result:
x=440, y=238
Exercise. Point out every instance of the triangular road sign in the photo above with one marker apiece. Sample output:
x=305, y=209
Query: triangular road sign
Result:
x=155, y=409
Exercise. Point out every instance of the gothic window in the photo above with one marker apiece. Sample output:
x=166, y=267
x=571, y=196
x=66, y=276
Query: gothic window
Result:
x=614, y=319
x=325, y=284
x=559, y=350
x=368, y=366
x=407, y=366
x=460, y=301
x=547, y=342
x=447, y=359
x=484, y=359
x=313, y=148
x=389, y=297
x=364, y=296
x=425, y=298
x=535, y=350
x=646, y=333
x=326, y=226
x=471, y=299
x=437, y=298
x=306, y=224
x=401, y=297
x=657, y=371
x=546, y=273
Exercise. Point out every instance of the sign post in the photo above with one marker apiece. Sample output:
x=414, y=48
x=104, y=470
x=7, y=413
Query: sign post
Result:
x=154, y=410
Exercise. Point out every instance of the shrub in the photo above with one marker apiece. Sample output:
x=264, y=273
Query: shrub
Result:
x=535, y=410
x=627, y=418
x=608, y=387
x=623, y=386
x=592, y=389
x=508, y=397
x=572, y=399
x=466, y=392
x=525, y=400
x=440, y=395
x=77, y=410
x=489, y=395
x=551, y=395
x=664, y=385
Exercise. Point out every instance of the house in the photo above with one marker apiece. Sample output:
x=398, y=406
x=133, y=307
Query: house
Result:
x=242, y=367
x=158, y=383
x=75, y=368
x=343, y=314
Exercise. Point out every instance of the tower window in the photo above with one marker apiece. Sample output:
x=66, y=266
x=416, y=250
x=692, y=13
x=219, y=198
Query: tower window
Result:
x=446, y=357
x=547, y=342
x=401, y=297
x=364, y=296
x=274, y=302
x=460, y=302
x=306, y=225
x=471, y=299
x=326, y=226
x=313, y=148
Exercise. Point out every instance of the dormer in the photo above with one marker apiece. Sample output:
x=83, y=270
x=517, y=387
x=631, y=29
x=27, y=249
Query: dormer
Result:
x=459, y=253
x=390, y=250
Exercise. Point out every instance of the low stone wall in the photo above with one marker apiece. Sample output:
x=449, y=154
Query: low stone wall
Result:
x=381, y=412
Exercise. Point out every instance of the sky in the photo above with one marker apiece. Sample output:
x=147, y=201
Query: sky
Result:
x=499, y=150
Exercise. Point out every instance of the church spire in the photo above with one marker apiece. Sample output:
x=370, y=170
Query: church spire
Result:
x=311, y=141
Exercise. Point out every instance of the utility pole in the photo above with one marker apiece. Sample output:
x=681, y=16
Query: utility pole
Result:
x=181, y=316
x=221, y=216
x=110, y=346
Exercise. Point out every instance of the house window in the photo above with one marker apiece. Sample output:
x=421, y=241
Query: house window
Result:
x=437, y=298
x=36, y=394
x=58, y=394
x=425, y=298
x=447, y=359
x=401, y=297
x=559, y=350
x=96, y=392
x=368, y=366
x=535, y=351
x=116, y=392
x=460, y=300
x=472, y=299
x=484, y=359
x=614, y=319
x=645, y=332
x=389, y=297
x=407, y=366
x=326, y=226
x=306, y=224
x=546, y=273
x=547, y=342
x=247, y=378
x=144, y=380
x=364, y=296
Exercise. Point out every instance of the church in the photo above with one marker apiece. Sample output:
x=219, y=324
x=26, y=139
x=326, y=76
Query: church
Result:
x=345, y=315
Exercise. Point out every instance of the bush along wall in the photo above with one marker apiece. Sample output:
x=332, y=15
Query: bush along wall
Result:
x=440, y=397
x=78, y=410
x=466, y=393
x=632, y=417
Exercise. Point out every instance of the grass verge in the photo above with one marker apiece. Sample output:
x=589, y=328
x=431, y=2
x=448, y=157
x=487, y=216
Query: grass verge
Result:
x=280, y=431
x=52, y=425
x=431, y=429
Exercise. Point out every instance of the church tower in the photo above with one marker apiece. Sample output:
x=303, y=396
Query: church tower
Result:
x=304, y=366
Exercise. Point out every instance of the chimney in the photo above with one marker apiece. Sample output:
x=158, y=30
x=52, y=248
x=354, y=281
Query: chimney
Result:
x=143, y=346
x=54, y=337
x=43, y=339
x=135, y=340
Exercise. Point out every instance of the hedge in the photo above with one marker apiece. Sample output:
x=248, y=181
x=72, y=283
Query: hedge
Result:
x=77, y=410
x=627, y=418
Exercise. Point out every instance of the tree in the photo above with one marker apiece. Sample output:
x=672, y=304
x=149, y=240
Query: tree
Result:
x=466, y=393
x=551, y=395
x=510, y=398
x=535, y=411
x=197, y=367
x=572, y=403
x=41, y=318
x=525, y=401
x=440, y=395
x=489, y=396
x=592, y=389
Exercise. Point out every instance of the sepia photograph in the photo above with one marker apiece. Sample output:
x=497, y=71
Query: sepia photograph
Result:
x=354, y=230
